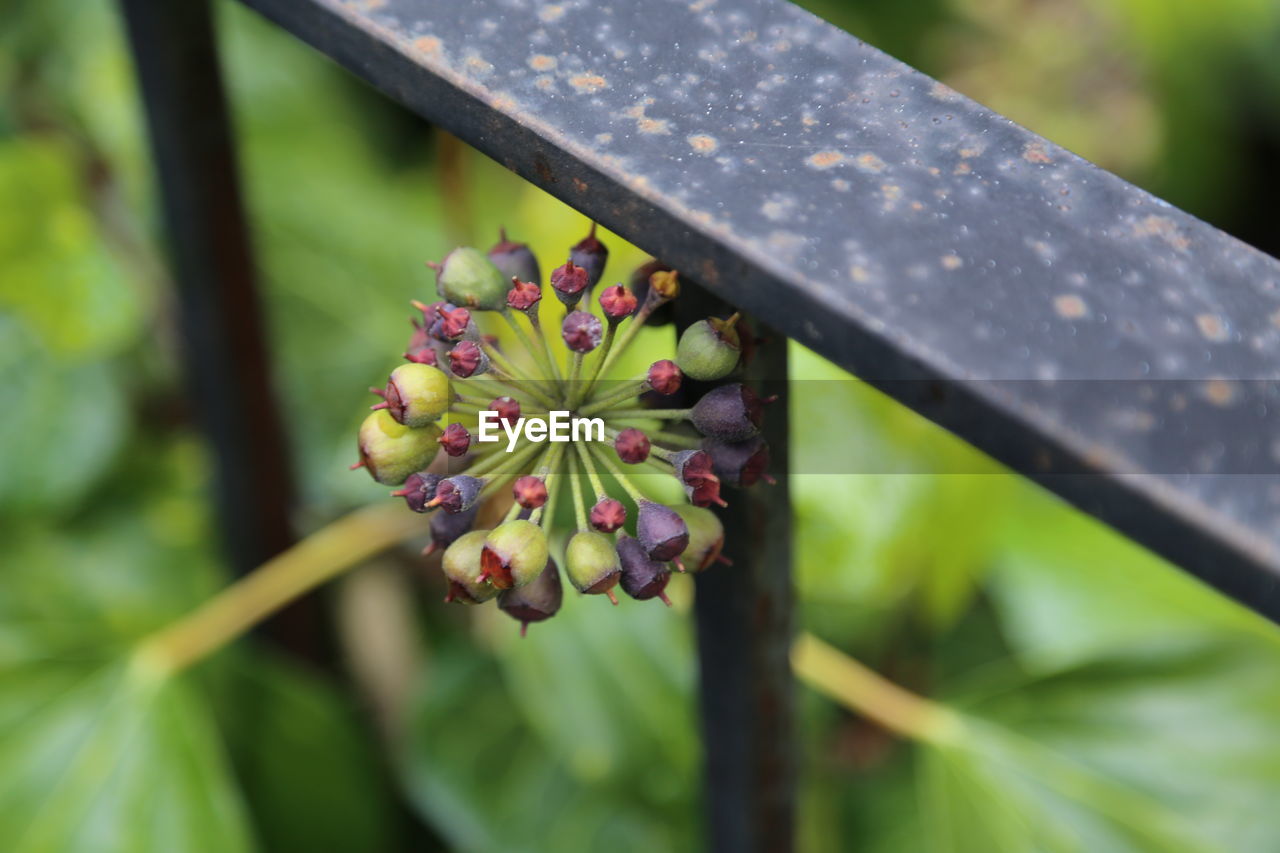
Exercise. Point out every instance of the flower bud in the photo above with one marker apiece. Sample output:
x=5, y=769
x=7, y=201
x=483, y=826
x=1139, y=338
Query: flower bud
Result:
x=581, y=331
x=392, y=451
x=618, y=303
x=729, y=413
x=739, y=463
x=461, y=565
x=455, y=440
x=529, y=491
x=419, y=348
x=632, y=446
x=709, y=349
x=416, y=394
x=467, y=359
x=418, y=489
x=568, y=282
x=457, y=493
x=693, y=469
x=514, y=260
x=661, y=531
x=523, y=295
x=608, y=515
x=706, y=538
x=515, y=552
x=454, y=323
x=590, y=254
x=535, y=601
x=642, y=578
x=446, y=527
x=467, y=277
x=664, y=377
x=508, y=409
x=592, y=564
x=640, y=287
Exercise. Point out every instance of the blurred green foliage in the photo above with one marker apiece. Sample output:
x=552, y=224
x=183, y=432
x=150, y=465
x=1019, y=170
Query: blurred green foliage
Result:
x=1114, y=703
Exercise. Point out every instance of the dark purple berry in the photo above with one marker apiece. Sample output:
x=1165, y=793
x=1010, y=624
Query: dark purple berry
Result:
x=694, y=470
x=455, y=440
x=446, y=527
x=665, y=377
x=467, y=359
x=661, y=531
x=530, y=491
x=590, y=254
x=536, y=601
x=608, y=515
x=582, y=331
x=618, y=303
x=739, y=463
x=642, y=578
x=568, y=282
x=457, y=493
x=730, y=413
x=523, y=295
x=508, y=409
x=418, y=489
x=632, y=446
x=514, y=260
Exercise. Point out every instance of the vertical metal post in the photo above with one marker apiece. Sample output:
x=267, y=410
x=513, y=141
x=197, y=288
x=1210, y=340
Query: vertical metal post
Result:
x=227, y=367
x=745, y=627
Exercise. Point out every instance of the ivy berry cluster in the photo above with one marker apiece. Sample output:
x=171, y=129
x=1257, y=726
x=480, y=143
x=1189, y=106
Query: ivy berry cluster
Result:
x=458, y=378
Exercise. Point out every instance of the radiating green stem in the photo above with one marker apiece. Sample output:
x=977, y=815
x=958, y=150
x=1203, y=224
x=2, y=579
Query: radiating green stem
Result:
x=688, y=442
x=536, y=350
x=579, y=512
x=594, y=477
x=507, y=380
x=505, y=461
x=624, y=393
x=577, y=395
x=653, y=414
x=627, y=486
x=536, y=322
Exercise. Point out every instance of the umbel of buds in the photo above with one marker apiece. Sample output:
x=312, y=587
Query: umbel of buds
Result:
x=481, y=357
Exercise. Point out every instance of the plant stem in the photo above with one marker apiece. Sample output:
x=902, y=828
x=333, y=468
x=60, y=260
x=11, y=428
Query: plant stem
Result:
x=321, y=556
x=627, y=391
x=651, y=414
x=538, y=352
x=536, y=322
x=852, y=684
x=490, y=467
x=579, y=511
x=594, y=477
x=634, y=493
x=576, y=395
x=688, y=442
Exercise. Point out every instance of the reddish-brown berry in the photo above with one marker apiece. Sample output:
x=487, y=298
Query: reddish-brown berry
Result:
x=665, y=377
x=467, y=359
x=582, y=331
x=529, y=491
x=632, y=446
x=455, y=440
x=608, y=515
x=618, y=303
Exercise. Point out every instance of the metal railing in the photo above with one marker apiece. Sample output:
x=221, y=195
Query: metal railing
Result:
x=1088, y=335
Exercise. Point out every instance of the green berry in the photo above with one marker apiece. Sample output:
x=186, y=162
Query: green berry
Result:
x=514, y=554
x=461, y=565
x=469, y=278
x=592, y=563
x=392, y=451
x=709, y=349
x=416, y=394
x=706, y=537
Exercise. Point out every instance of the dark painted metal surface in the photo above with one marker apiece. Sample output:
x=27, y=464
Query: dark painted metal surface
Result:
x=226, y=359
x=892, y=225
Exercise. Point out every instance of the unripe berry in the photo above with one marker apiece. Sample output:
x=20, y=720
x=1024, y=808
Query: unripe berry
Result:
x=467, y=277
x=523, y=295
x=468, y=359
x=515, y=552
x=455, y=323
x=446, y=527
x=608, y=515
x=617, y=303
x=461, y=565
x=455, y=440
x=457, y=493
x=693, y=469
x=582, y=331
x=632, y=446
x=536, y=601
x=514, y=260
x=508, y=409
x=569, y=281
x=590, y=254
x=739, y=463
x=418, y=489
x=392, y=451
x=729, y=413
x=529, y=491
x=416, y=394
x=642, y=578
x=661, y=531
x=592, y=564
x=709, y=349
x=664, y=377
x=706, y=538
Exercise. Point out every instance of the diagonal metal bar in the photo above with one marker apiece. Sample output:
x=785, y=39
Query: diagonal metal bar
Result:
x=1078, y=329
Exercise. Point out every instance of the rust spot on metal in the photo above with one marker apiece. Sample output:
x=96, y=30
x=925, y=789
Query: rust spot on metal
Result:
x=588, y=82
x=1220, y=392
x=478, y=64
x=643, y=123
x=604, y=138
x=943, y=92
x=1212, y=327
x=824, y=159
x=841, y=184
x=581, y=186
x=970, y=152
x=545, y=82
x=962, y=169
x=1035, y=152
x=859, y=274
x=543, y=168
x=551, y=13
x=703, y=144
x=542, y=62
x=427, y=44
x=708, y=273
x=951, y=262
x=1164, y=228
x=870, y=163
x=1069, y=306
x=892, y=195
